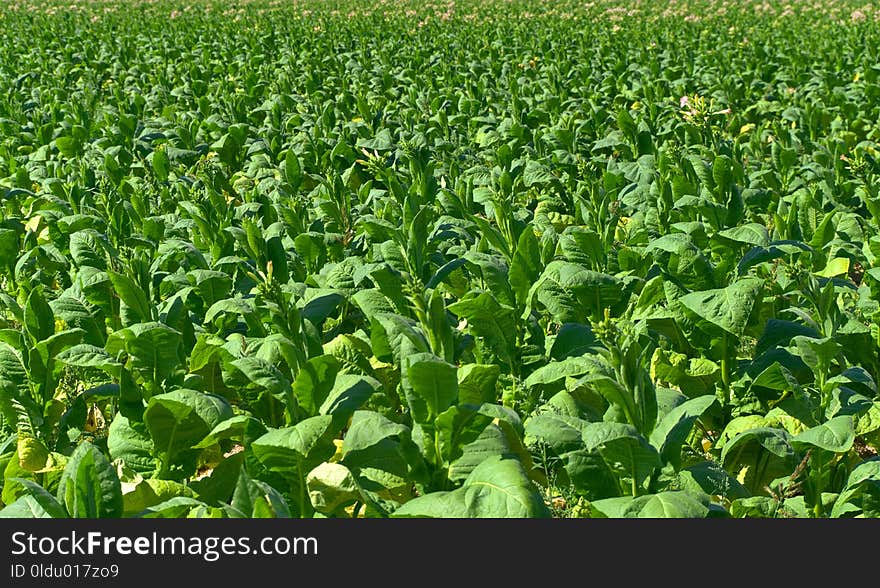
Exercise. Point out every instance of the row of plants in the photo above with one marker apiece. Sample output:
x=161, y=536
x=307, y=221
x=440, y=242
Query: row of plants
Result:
x=448, y=260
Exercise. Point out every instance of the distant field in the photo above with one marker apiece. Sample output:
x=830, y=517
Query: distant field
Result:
x=462, y=259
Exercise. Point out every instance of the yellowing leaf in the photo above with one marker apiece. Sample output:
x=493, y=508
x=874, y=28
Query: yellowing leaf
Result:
x=746, y=128
x=32, y=454
x=33, y=223
x=835, y=267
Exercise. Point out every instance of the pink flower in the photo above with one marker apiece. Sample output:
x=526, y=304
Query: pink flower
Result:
x=684, y=101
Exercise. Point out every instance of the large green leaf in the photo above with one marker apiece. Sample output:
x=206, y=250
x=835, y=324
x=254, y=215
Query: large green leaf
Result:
x=332, y=486
x=623, y=449
x=490, y=320
x=300, y=447
x=665, y=505
x=571, y=292
x=497, y=488
x=89, y=486
x=763, y=454
x=836, y=435
x=456, y=427
x=130, y=442
x=85, y=355
x=558, y=370
x=525, y=266
x=39, y=320
x=137, y=306
x=264, y=375
x=314, y=382
x=477, y=383
x=430, y=385
x=673, y=429
x=76, y=313
x=154, y=348
x=257, y=499
x=727, y=309
x=179, y=419
x=35, y=502
x=382, y=456
x=861, y=495
x=558, y=431
x=349, y=392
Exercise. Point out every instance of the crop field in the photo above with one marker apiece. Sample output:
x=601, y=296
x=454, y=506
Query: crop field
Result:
x=365, y=258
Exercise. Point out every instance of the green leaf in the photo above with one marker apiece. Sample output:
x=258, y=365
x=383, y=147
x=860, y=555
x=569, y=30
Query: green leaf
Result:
x=816, y=353
x=265, y=375
x=388, y=333
x=749, y=234
x=181, y=418
x=560, y=432
x=67, y=146
x=754, y=507
x=495, y=440
x=35, y=502
x=618, y=396
x=623, y=449
x=77, y=314
x=764, y=453
x=477, y=383
x=32, y=453
x=139, y=494
x=349, y=392
x=314, y=382
x=836, y=435
x=302, y=446
x=430, y=385
x=174, y=508
x=665, y=505
x=710, y=478
x=835, y=267
x=456, y=427
x=673, y=429
x=211, y=285
x=572, y=340
x=536, y=174
x=727, y=308
x=130, y=442
x=383, y=458
x=497, y=488
x=293, y=173
x=160, y=163
x=154, y=348
x=487, y=318
x=257, y=499
x=525, y=266
x=89, y=486
x=218, y=484
x=861, y=492
x=139, y=309
x=240, y=426
x=571, y=292
x=369, y=429
x=39, y=320
x=85, y=355
x=27, y=507
x=559, y=370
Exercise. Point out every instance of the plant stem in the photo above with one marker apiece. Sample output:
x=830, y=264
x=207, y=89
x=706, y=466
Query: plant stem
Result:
x=302, y=490
x=725, y=379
